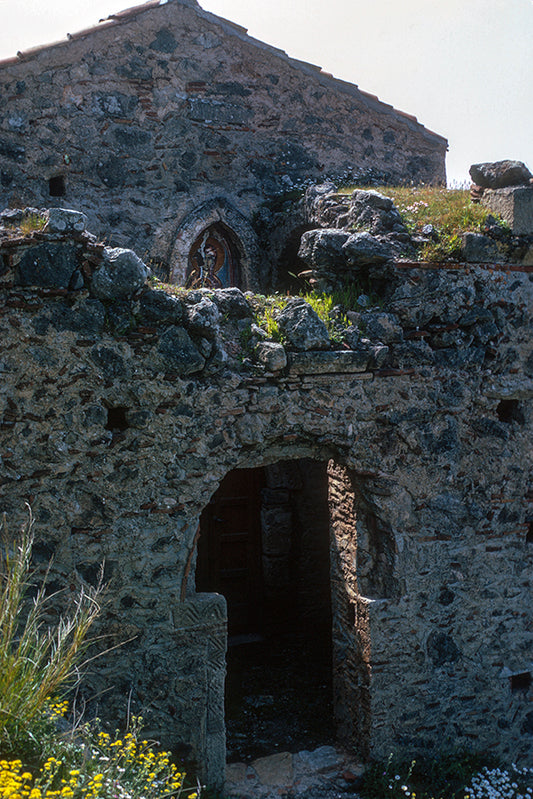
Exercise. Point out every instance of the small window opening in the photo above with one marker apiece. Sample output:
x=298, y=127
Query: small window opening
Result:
x=529, y=534
x=116, y=419
x=520, y=682
x=510, y=411
x=57, y=186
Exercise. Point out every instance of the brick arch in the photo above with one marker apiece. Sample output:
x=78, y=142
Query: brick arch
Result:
x=238, y=231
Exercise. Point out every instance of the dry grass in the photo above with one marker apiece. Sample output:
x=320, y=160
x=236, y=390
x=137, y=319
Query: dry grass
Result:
x=450, y=211
x=35, y=660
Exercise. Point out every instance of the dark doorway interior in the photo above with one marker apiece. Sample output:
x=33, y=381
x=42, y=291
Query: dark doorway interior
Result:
x=264, y=544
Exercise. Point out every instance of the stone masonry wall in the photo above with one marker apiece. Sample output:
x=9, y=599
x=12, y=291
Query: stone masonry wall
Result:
x=123, y=406
x=166, y=118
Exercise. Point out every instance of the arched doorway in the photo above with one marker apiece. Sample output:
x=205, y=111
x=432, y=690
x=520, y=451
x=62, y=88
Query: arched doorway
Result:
x=213, y=260
x=264, y=545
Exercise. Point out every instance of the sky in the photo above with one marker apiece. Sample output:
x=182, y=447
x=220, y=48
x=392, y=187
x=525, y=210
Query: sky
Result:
x=464, y=68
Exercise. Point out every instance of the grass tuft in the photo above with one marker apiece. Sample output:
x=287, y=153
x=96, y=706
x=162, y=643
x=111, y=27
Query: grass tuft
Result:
x=32, y=222
x=38, y=663
x=450, y=211
x=35, y=661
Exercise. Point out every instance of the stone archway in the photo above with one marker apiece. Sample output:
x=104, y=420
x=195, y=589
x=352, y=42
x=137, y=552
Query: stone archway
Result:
x=216, y=238
x=279, y=526
x=264, y=546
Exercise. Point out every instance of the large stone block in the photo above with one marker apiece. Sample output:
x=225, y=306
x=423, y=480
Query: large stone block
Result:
x=515, y=205
x=120, y=275
x=48, y=265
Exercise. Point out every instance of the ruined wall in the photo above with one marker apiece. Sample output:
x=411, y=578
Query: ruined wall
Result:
x=123, y=407
x=166, y=118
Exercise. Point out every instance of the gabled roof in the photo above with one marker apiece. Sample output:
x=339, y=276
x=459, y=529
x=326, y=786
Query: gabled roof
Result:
x=326, y=78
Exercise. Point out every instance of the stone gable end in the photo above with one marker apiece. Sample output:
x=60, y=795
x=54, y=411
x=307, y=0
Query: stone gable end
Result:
x=142, y=120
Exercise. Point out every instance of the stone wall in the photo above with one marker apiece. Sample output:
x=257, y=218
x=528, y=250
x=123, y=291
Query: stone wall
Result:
x=123, y=406
x=165, y=119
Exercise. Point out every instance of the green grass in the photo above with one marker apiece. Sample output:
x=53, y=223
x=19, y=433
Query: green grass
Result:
x=32, y=222
x=450, y=211
x=267, y=309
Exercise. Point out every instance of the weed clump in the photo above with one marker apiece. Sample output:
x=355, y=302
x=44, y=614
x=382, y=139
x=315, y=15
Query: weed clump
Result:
x=458, y=775
x=42, y=756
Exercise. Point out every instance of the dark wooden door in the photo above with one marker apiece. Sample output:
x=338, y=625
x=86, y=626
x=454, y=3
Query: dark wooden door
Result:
x=229, y=549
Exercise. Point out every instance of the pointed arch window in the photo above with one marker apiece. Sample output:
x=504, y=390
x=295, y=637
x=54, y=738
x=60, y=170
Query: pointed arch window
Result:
x=213, y=261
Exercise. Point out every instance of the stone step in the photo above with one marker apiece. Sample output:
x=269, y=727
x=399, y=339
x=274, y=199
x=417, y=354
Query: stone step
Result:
x=326, y=773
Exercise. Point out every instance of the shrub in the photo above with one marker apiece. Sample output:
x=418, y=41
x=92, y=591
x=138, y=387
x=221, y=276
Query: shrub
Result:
x=99, y=767
x=37, y=761
x=36, y=662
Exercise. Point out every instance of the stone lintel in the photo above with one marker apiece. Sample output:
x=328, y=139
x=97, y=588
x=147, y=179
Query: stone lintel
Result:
x=318, y=362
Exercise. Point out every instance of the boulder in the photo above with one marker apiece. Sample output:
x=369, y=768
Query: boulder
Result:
x=363, y=248
x=179, y=352
x=500, y=174
x=303, y=327
x=159, y=308
x=48, y=265
x=373, y=199
x=322, y=250
x=271, y=355
x=120, y=275
x=232, y=303
x=203, y=318
x=65, y=220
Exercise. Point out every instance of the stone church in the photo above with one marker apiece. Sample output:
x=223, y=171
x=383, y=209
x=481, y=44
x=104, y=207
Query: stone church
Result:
x=340, y=522
x=177, y=134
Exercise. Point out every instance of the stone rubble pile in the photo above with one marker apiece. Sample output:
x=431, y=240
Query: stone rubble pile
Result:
x=359, y=237
x=415, y=317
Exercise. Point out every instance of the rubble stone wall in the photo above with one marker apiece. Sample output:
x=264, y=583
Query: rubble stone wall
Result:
x=166, y=117
x=123, y=407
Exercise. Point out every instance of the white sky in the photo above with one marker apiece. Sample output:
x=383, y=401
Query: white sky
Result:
x=463, y=67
